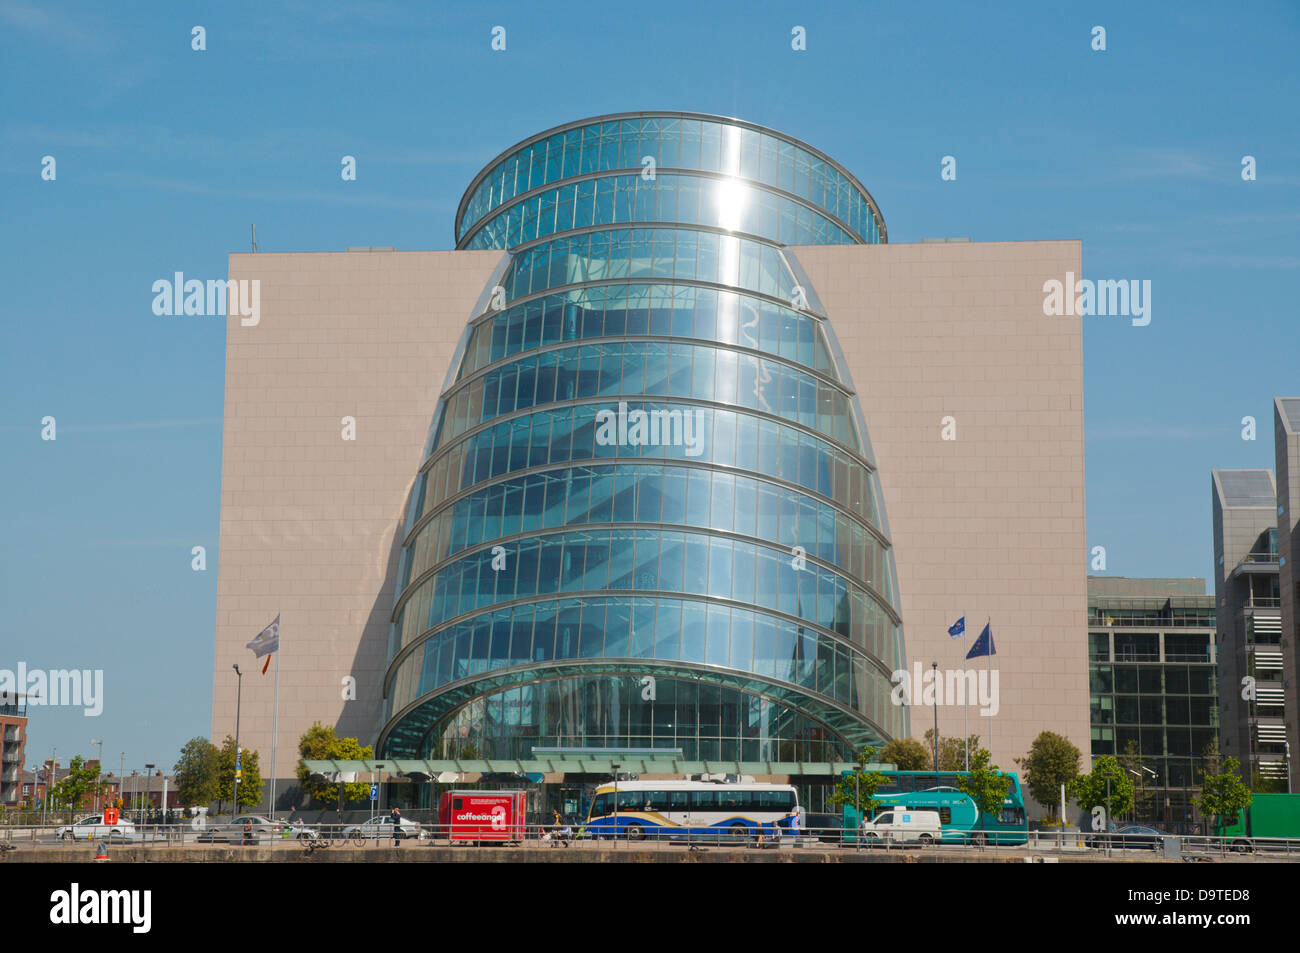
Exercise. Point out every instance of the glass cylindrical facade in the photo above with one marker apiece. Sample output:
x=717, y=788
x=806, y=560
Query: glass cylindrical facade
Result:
x=648, y=515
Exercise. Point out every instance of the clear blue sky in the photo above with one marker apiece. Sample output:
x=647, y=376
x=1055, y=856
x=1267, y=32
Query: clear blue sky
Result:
x=165, y=155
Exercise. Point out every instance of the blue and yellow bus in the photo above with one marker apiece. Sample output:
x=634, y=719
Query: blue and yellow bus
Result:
x=685, y=809
x=958, y=816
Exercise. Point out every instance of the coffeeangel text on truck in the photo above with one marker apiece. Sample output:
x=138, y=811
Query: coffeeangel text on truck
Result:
x=476, y=816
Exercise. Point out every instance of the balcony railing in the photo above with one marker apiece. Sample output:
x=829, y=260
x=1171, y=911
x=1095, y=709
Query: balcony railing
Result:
x=1097, y=621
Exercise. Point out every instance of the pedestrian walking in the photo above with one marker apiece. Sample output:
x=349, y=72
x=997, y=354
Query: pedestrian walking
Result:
x=396, y=818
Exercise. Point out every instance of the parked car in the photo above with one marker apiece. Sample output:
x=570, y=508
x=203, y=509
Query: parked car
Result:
x=904, y=825
x=93, y=827
x=264, y=830
x=378, y=828
x=297, y=830
x=824, y=827
x=1132, y=837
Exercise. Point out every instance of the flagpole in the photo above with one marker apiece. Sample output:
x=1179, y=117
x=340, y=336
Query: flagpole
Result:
x=275, y=718
x=965, y=705
x=989, y=623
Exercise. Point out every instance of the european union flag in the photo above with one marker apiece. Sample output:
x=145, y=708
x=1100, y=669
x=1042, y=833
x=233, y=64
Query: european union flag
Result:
x=958, y=628
x=984, y=644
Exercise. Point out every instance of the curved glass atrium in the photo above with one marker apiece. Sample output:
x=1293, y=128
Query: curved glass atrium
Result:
x=648, y=514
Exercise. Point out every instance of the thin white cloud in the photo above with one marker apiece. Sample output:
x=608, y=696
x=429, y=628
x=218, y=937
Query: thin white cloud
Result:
x=308, y=196
x=1147, y=430
x=71, y=31
x=138, y=425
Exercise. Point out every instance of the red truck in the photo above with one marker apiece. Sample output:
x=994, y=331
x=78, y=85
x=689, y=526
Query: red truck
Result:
x=483, y=816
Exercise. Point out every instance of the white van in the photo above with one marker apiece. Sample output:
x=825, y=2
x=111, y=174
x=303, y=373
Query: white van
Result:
x=903, y=825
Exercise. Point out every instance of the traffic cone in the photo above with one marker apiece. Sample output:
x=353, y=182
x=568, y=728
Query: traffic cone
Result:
x=101, y=852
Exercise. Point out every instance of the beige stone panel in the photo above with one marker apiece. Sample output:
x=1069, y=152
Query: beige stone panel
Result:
x=309, y=521
x=990, y=524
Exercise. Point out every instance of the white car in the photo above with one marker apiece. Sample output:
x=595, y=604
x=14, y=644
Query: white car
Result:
x=903, y=825
x=93, y=827
x=380, y=827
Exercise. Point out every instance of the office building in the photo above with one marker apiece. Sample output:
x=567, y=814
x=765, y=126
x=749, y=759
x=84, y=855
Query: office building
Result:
x=669, y=454
x=1249, y=620
x=1154, y=692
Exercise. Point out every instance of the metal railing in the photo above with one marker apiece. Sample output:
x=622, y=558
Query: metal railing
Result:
x=1043, y=842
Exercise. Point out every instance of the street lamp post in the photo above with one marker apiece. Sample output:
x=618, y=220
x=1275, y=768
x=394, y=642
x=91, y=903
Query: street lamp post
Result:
x=239, y=700
x=935, y=696
x=148, y=789
x=1137, y=790
x=615, y=810
x=1109, y=825
x=857, y=806
x=98, y=787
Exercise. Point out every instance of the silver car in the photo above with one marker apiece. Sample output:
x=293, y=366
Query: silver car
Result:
x=264, y=831
x=93, y=827
x=378, y=828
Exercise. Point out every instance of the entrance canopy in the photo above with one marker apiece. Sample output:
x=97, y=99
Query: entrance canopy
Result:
x=575, y=763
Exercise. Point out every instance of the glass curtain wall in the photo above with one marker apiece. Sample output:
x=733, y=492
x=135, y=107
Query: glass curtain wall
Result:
x=647, y=514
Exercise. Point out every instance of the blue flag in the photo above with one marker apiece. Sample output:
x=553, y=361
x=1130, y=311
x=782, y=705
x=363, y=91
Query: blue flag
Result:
x=984, y=644
x=958, y=628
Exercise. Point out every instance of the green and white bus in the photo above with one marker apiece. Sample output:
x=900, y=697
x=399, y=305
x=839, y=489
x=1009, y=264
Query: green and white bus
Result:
x=958, y=817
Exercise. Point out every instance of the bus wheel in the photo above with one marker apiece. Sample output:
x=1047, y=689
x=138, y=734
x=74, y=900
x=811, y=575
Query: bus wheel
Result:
x=740, y=832
x=1241, y=846
x=926, y=840
x=635, y=832
x=977, y=840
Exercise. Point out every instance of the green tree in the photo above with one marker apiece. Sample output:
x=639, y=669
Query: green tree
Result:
x=1144, y=798
x=319, y=743
x=1223, y=795
x=858, y=789
x=1052, y=761
x=1089, y=790
x=907, y=753
x=986, y=785
x=71, y=791
x=250, y=784
x=196, y=772
x=952, y=752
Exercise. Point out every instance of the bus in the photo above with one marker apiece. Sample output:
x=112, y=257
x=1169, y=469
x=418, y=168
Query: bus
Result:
x=958, y=816
x=685, y=809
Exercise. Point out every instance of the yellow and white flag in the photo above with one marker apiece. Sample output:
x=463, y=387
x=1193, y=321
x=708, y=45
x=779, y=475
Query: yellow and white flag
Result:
x=266, y=643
